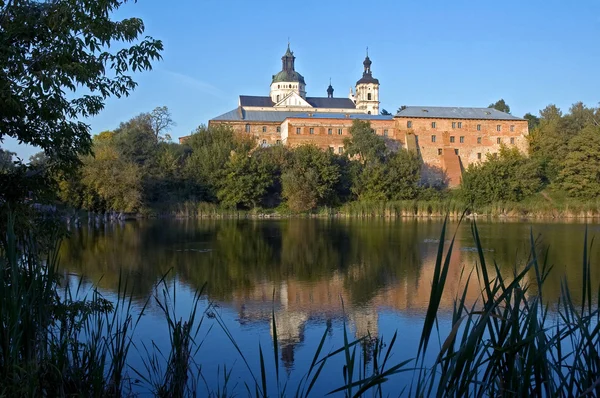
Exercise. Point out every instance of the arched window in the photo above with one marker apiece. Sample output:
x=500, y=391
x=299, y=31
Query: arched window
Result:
x=277, y=97
x=369, y=111
x=369, y=96
x=278, y=86
x=290, y=86
x=247, y=128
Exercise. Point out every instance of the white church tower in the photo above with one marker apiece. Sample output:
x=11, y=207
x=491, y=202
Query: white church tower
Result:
x=367, y=90
x=287, y=81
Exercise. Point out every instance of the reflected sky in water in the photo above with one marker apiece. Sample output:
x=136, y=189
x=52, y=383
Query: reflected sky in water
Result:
x=310, y=273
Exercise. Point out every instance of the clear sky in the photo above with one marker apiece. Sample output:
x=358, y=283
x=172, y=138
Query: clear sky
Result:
x=436, y=53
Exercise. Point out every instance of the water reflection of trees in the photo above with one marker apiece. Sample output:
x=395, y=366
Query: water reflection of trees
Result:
x=239, y=258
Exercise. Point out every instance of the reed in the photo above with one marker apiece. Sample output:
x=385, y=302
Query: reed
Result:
x=60, y=339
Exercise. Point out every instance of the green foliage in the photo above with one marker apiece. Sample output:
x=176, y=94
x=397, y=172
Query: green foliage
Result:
x=310, y=178
x=6, y=160
x=247, y=179
x=508, y=176
x=549, y=140
x=532, y=121
x=501, y=106
x=395, y=179
x=110, y=180
x=49, y=50
x=580, y=174
x=210, y=150
x=364, y=143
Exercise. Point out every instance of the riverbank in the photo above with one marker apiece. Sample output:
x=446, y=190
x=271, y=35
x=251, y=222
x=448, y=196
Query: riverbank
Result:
x=531, y=209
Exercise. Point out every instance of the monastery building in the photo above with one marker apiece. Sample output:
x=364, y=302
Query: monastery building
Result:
x=447, y=139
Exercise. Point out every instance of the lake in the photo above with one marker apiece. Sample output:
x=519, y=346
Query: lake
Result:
x=313, y=274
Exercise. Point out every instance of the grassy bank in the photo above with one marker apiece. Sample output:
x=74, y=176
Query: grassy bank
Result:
x=58, y=341
x=545, y=205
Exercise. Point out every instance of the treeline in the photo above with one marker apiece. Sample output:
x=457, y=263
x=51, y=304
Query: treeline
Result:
x=564, y=156
x=135, y=169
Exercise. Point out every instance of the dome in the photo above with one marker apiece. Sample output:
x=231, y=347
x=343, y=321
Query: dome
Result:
x=366, y=79
x=288, y=76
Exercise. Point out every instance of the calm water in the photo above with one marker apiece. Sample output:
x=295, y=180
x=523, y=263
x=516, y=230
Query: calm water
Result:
x=380, y=270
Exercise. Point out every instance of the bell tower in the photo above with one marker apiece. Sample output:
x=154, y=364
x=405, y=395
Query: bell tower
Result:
x=367, y=90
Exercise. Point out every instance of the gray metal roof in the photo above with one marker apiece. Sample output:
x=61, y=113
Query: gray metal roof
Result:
x=443, y=112
x=336, y=103
x=317, y=102
x=239, y=114
x=253, y=100
x=360, y=116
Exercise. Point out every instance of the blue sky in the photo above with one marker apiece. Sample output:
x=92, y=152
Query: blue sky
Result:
x=460, y=53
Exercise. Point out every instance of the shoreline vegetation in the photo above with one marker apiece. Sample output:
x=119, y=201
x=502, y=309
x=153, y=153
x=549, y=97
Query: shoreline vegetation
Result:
x=387, y=210
x=62, y=339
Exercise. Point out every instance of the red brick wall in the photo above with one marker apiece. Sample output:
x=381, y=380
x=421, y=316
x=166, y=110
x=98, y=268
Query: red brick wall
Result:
x=321, y=136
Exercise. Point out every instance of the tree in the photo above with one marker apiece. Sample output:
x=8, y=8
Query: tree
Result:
x=51, y=49
x=161, y=121
x=507, y=176
x=551, y=112
x=310, y=178
x=385, y=113
x=6, y=160
x=111, y=182
x=246, y=181
x=532, y=121
x=210, y=150
x=580, y=175
x=395, y=179
x=501, y=106
x=364, y=142
x=136, y=141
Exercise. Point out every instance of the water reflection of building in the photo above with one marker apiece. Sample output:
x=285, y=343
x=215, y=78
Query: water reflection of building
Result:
x=298, y=302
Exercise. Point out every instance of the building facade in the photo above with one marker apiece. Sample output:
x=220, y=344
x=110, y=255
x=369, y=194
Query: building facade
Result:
x=447, y=139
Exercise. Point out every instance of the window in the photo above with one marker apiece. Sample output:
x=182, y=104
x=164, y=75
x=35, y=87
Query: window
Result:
x=369, y=97
x=456, y=151
x=439, y=151
x=512, y=140
x=331, y=149
x=247, y=128
x=451, y=138
x=264, y=129
x=461, y=140
x=479, y=140
x=479, y=127
x=453, y=125
x=312, y=130
x=341, y=149
x=478, y=156
x=409, y=124
x=339, y=131
x=298, y=130
x=278, y=142
x=498, y=141
x=512, y=128
x=460, y=125
x=279, y=129
x=433, y=138
x=369, y=112
x=433, y=125
x=329, y=131
x=498, y=128
x=264, y=142
x=277, y=98
x=385, y=133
